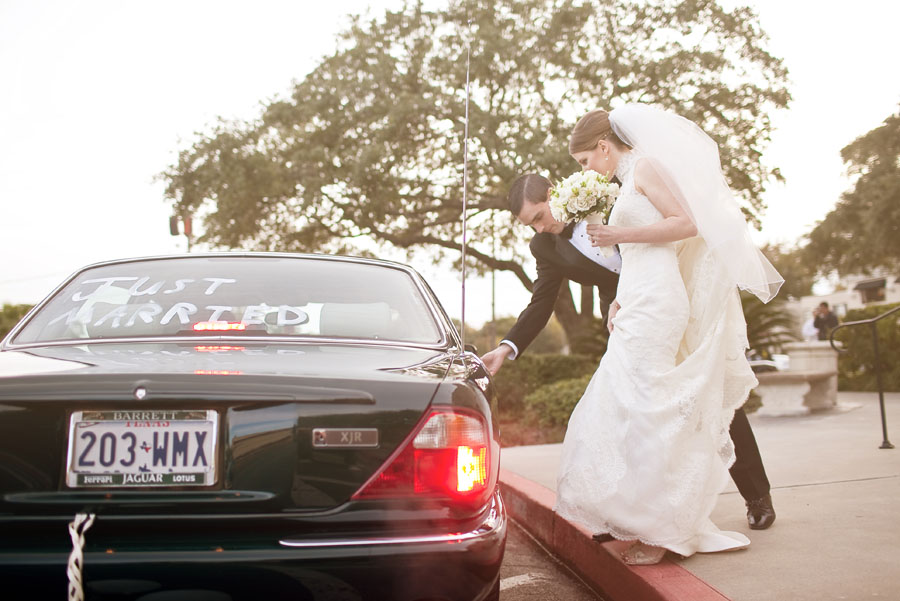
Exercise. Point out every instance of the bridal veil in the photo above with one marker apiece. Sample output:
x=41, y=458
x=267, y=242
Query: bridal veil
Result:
x=688, y=161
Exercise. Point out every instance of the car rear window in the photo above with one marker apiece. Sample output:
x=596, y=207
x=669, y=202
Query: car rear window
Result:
x=247, y=296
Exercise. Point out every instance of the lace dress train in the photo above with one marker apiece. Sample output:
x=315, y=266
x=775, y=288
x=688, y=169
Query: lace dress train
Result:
x=647, y=448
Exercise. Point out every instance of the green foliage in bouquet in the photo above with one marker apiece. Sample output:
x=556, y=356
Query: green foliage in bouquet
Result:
x=856, y=367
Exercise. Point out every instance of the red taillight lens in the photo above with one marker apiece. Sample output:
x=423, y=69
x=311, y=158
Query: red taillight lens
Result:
x=447, y=458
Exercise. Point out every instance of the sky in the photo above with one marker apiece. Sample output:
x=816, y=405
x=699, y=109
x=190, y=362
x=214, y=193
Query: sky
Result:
x=98, y=96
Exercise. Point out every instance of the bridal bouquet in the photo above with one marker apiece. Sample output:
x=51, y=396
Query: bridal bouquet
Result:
x=584, y=196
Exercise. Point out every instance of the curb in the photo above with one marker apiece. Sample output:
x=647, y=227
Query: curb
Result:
x=531, y=505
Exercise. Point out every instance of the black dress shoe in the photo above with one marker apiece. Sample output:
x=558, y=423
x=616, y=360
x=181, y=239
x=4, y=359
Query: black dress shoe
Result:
x=603, y=537
x=760, y=513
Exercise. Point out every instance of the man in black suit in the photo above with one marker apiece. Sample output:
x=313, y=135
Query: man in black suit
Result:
x=562, y=254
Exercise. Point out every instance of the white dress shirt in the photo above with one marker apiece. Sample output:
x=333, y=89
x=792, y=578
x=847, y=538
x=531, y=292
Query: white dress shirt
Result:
x=582, y=242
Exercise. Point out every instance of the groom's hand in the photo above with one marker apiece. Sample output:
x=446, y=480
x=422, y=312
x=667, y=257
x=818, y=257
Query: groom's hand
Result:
x=494, y=359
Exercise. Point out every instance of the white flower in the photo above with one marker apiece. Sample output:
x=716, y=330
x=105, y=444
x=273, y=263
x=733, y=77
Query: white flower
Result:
x=558, y=209
x=583, y=202
x=581, y=194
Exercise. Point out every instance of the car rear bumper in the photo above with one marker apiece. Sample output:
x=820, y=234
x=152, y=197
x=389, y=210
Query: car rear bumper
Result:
x=448, y=566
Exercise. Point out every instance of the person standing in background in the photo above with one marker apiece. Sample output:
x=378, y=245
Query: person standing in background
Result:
x=825, y=321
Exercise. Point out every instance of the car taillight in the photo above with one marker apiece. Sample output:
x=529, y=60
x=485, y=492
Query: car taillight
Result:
x=449, y=457
x=219, y=326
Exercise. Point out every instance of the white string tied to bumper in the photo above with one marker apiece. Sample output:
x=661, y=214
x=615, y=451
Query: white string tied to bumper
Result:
x=77, y=528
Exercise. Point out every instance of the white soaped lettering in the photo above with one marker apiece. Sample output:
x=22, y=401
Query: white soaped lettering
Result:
x=179, y=286
x=135, y=289
x=69, y=316
x=146, y=312
x=116, y=315
x=216, y=282
x=255, y=314
x=106, y=283
x=116, y=292
x=84, y=315
x=182, y=310
x=301, y=316
x=140, y=287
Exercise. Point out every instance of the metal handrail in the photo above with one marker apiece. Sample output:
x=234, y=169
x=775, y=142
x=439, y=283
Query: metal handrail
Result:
x=885, y=443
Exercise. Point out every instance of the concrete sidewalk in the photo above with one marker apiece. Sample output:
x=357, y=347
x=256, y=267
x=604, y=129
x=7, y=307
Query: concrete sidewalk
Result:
x=837, y=533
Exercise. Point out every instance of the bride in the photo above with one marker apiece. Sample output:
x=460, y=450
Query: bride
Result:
x=647, y=448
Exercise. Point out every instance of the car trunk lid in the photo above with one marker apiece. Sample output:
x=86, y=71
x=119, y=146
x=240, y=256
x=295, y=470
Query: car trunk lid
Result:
x=278, y=427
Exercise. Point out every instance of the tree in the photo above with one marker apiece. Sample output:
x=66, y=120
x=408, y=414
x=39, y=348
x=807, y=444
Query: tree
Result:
x=367, y=150
x=10, y=315
x=795, y=266
x=863, y=231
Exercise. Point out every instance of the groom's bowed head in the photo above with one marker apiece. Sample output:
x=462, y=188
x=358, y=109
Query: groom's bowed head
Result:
x=593, y=144
x=529, y=201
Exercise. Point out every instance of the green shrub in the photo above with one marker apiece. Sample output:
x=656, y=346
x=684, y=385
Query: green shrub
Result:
x=856, y=366
x=552, y=404
x=10, y=316
x=517, y=379
x=769, y=325
x=590, y=340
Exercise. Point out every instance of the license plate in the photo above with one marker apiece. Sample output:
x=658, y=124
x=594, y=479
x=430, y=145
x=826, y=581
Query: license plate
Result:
x=142, y=448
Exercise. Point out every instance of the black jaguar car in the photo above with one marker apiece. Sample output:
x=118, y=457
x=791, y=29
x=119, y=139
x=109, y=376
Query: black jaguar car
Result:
x=247, y=426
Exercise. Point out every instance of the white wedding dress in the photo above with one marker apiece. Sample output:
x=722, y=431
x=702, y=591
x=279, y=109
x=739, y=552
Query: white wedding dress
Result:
x=647, y=448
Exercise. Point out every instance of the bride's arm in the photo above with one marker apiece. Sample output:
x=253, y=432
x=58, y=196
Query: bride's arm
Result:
x=676, y=225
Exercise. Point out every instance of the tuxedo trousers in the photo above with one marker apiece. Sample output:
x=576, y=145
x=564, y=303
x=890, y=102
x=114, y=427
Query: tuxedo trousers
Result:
x=748, y=472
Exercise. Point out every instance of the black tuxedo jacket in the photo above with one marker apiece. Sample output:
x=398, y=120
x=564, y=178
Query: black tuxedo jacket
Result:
x=557, y=260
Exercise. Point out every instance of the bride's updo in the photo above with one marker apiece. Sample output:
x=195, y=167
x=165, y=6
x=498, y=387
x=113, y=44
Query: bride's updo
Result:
x=590, y=129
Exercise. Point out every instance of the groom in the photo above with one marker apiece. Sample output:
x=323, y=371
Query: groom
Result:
x=565, y=253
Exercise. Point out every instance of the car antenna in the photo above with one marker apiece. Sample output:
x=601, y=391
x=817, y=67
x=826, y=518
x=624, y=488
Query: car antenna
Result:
x=464, y=33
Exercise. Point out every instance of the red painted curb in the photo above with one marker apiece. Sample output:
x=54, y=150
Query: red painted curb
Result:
x=599, y=565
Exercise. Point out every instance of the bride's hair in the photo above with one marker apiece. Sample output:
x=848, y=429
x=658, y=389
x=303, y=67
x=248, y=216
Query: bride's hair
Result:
x=590, y=129
x=530, y=187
